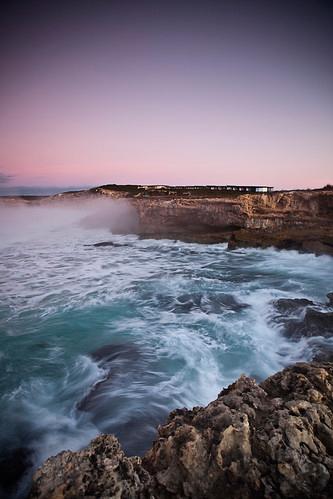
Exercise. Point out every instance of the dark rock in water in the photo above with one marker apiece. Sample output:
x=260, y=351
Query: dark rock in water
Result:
x=314, y=323
x=232, y=243
x=13, y=466
x=228, y=301
x=106, y=403
x=330, y=299
x=110, y=353
x=299, y=318
x=206, y=302
x=104, y=243
x=114, y=359
x=273, y=440
x=291, y=305
x=303, y=318
x=212, y=303
x=318, y=323
x=108, y=243
x=323, y=353
x=186, y=302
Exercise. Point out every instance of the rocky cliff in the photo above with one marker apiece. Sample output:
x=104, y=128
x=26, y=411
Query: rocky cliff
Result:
x=300, y=220
x=273, y=440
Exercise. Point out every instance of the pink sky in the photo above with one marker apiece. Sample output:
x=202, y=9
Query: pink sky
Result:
x=132, y=107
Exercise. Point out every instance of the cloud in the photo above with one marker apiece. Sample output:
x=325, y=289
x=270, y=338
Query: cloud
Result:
x=5, y=178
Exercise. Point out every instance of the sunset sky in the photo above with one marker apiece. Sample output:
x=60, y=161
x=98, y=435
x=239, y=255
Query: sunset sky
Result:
x=177, y=92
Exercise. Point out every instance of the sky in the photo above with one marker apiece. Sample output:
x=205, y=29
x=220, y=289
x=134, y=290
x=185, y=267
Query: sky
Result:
x=166, y=92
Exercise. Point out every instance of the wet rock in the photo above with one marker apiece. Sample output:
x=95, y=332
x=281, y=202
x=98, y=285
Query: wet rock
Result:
x=302, y=318
x=108, y=243
x=314, y=323
x=104, y=243
x=318, y=247
x=115, y=360
x=214, y=303
x=330, y=299
x=106, y=405
x=273, y=440
x=232, y=243
x=323, y=353
x=291, y=305
x=318, y=323
x=110, y=353
x=187, y=302
x=228, y=301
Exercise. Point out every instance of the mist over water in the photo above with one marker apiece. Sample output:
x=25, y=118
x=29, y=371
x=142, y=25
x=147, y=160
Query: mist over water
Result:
x=58, y=218
x=111, y=338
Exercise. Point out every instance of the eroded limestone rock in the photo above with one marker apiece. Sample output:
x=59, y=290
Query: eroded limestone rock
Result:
x=99, y=471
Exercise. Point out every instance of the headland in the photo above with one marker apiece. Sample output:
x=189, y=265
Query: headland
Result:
x=243, y=216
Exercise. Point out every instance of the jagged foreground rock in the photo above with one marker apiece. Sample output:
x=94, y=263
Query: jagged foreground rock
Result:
x=272, y=440
x=100, y=470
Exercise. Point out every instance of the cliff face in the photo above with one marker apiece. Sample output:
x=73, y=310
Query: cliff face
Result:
x=300, y=220
x=273, y=440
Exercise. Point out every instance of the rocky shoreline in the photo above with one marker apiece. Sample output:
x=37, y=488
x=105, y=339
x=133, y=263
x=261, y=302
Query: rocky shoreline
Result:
x=272, y=440
x=267, y=440
x=298, y=220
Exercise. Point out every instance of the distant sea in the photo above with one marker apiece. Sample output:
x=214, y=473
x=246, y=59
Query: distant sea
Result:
x=37, y=190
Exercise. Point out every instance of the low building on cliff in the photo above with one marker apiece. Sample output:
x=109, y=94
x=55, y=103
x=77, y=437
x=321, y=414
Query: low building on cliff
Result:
x=249, y=188
x=147, y=190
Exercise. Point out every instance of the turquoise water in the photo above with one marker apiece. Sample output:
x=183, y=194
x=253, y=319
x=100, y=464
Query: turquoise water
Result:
x=184, y=320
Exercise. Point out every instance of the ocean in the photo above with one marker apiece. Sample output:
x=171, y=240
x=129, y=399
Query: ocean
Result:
x=111, y=338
